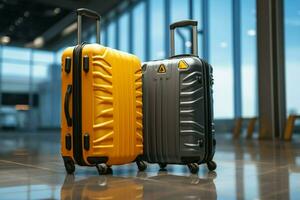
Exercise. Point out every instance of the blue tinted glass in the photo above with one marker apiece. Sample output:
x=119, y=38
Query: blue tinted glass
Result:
x=248, y=42
x=179, y=11
x=157, y=29
x=41, y=72
x=292, y=54
x=139, y=31
x=197, y=15
x=221, y=56
x=102, y=36
x=16, y=53
x=123, y=36
x=59, y=55
x=43, y=56
x=111, y=34
x=92, y=39
x=11, y=70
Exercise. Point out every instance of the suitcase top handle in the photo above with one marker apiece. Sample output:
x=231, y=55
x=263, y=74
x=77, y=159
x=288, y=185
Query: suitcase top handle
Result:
x=90, y=14
x=184, y=23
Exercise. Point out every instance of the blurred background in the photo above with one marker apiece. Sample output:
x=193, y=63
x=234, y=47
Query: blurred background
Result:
x=34, y=34
x=253, y=46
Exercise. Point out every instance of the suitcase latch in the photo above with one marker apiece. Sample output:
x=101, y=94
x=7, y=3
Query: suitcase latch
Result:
x=67, y=65
x=68, y=142
x=86, y=141
x=86, y=63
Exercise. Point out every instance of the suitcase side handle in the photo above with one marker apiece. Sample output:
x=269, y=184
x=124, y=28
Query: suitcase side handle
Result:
x=90, y=14
x=184, y=23
x=66, y=105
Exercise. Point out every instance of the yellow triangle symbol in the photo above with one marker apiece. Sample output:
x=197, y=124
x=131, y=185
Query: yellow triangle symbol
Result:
x=162, y=69
x=182, y=65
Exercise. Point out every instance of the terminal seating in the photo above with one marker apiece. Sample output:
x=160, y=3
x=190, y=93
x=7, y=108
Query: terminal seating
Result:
x=250, y=123
x=289, y=127
x=238, y=126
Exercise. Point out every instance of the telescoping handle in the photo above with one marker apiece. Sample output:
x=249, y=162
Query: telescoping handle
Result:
x=183, y=23
x=90, y=14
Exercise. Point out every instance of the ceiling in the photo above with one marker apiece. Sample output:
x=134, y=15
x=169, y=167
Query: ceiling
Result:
x=37, y=23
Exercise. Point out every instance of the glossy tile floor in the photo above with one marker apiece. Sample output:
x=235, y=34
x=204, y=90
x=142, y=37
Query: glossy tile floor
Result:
x=31, y=168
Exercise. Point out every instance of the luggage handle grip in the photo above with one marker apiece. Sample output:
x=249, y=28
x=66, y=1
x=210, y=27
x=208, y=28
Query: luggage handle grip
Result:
x=184, y=23
x=66, y=105
x=90, y=14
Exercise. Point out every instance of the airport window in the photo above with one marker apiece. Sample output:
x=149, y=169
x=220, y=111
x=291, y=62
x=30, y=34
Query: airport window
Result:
x=139, y=31
x=111, y=34
x=43, y=56
x=14, y=71
x=197, y=15
x=157, y=28
x=182, y=35
x=123, y=29
x=41, y=72
x=292, y=56
x=248, y=59
x=220, y=35
x=16, y=53
x=59, y=54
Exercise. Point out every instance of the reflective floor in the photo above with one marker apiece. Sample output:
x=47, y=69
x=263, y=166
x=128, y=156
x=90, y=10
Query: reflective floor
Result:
x=31, y=168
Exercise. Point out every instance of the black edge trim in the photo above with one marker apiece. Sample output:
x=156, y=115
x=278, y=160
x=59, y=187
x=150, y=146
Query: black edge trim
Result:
x=77, y=106
x=97, y=160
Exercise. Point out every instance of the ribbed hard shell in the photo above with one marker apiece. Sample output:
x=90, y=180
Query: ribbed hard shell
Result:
x=111, y=105
x=176, y=118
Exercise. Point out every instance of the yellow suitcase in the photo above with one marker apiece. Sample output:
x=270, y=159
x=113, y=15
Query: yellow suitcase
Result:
x=101, y=119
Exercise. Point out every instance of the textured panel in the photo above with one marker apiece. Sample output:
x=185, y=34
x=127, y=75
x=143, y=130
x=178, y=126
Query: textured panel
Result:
x=139, y=106
x=103, y=103
x=112, y=104
x=161, y=112
x=192, y=128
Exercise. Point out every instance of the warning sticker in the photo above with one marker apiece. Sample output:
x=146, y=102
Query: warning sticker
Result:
x=182, y=65
x=162, y=69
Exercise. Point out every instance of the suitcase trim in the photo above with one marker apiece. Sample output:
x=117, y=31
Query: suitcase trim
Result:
x=77, y=105
x=78, y=143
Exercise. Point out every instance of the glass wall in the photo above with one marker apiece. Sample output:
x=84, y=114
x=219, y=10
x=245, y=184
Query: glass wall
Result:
x=26, y=71
x=248, y=48
x=157, y=29
x=138, y=38
x=220, y=42
x=292, y=55
x=220, y=22
x=26, y=77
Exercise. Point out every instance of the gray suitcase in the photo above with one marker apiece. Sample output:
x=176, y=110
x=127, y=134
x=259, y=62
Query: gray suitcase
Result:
x=178, y=108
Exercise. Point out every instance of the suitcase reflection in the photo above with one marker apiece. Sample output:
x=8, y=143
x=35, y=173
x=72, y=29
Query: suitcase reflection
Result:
x=101, y=187
x=156, y=187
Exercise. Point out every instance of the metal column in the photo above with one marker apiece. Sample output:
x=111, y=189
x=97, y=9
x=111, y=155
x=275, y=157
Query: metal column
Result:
x=130, y=28
x=236, y=29
x=117, y=18
x=31, y=121
x=271, y=73
x=205, y=29
x=1, y=80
